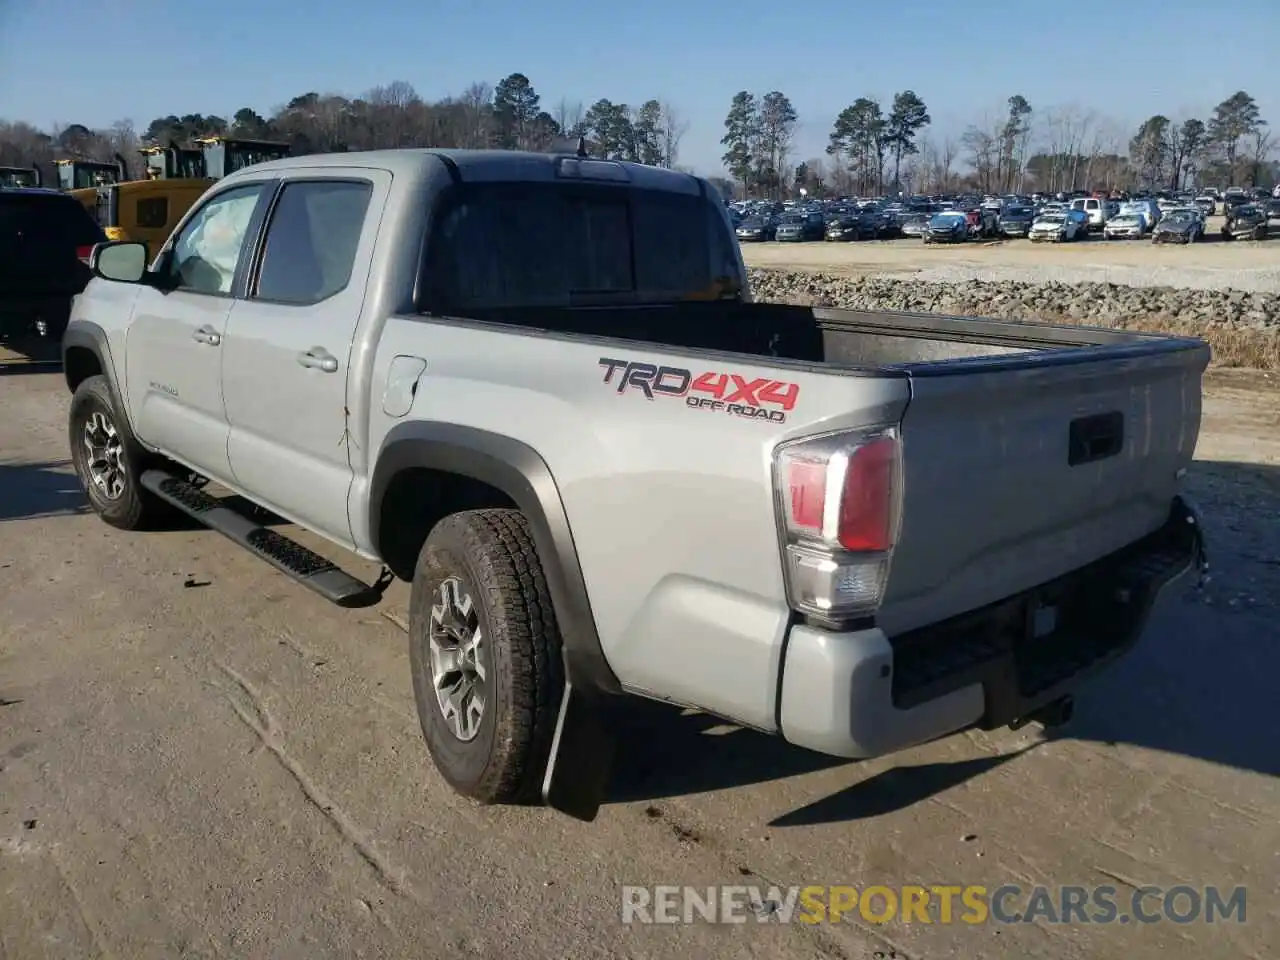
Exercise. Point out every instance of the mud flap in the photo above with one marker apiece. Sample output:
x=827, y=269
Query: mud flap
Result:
x=581, y=757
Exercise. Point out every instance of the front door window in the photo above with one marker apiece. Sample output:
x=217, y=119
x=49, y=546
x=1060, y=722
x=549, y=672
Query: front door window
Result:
x=208, y=251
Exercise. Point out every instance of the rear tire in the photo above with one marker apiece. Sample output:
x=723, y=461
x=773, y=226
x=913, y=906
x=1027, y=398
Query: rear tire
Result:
x=482, y=626
x=108, y=460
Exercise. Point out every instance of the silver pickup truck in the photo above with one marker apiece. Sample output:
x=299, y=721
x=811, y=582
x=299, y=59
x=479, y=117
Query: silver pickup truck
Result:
x=536, y=387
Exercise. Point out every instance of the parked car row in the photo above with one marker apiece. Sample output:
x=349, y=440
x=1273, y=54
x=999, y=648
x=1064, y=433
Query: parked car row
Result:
x=1163, y=219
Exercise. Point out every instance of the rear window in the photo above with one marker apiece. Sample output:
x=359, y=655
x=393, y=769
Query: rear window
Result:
x=506, y=245
x=31, y=222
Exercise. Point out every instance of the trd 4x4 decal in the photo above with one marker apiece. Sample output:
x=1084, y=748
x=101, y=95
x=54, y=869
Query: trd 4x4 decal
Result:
x=756, y=398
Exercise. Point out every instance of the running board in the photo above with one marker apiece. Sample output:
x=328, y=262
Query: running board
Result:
x=289, y=557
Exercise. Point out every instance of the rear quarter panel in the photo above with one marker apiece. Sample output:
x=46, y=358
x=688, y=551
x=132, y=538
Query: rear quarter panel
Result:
x=671, y=507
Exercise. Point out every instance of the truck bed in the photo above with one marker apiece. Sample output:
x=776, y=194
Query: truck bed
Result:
x=854, y=340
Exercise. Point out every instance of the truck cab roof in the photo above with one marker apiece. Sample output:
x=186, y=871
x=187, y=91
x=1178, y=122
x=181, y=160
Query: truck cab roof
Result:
x=478, y=166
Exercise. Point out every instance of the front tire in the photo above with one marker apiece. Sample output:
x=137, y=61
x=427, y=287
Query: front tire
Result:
x=485, y=655
x=108, y=460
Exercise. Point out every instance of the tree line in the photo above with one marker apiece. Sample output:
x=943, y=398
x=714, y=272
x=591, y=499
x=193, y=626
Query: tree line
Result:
x=506, y=115
x=871, y=149
x=874, y=151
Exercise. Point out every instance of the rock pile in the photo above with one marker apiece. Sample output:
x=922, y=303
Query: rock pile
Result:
x=1098, y=304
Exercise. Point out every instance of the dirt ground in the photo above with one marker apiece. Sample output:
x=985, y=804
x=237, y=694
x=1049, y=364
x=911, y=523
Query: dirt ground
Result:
x=909, y=255
x=200, y=759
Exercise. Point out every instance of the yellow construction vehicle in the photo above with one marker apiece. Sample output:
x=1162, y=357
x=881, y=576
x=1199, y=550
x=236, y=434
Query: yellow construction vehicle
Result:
x=147, y=210
x=17, y=177
x=82, y=178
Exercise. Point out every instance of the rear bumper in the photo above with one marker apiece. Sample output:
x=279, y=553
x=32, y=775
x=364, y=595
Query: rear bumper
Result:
x=862, y=694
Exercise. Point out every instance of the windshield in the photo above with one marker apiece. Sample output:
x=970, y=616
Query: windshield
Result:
x=1017, y=211
x=17, y=178
x=947, y=219
x=1127, y=218
x=508, y=245
x=81, y=175
x=1053, y=218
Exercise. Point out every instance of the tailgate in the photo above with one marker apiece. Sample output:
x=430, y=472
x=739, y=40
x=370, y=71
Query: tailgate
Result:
x=1017, y=470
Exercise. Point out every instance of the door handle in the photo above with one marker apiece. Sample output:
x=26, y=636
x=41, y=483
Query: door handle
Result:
x=206, y=335
x=318, y=358
x=1095, y=438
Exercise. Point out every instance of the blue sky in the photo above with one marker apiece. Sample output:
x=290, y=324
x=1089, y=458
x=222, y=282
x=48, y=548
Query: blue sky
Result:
x=1126, y=59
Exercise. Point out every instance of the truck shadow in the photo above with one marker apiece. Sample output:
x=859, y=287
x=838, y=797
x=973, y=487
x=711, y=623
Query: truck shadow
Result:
x=664, y=752
x=30, y=491
x=35, y=355
x=1199, y=684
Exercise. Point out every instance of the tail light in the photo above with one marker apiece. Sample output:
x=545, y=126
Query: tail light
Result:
x=84, y=252
x=839, y=499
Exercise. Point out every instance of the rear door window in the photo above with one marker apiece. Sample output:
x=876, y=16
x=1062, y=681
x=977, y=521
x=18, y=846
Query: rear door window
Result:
x=504, y=245
x=312, y=240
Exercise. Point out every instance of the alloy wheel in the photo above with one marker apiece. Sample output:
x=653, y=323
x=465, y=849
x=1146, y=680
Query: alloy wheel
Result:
x=458, y=651
x=104, y=460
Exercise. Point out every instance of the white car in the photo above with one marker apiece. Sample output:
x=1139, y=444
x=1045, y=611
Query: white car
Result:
x=1126, y=226
x=1057, y=227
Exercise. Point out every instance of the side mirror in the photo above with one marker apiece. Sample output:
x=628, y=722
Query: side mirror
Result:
x=122, y=261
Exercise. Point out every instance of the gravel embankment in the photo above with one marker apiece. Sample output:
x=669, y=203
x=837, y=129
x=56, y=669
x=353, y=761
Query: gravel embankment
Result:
x=1246, y=279
x=1243, y=327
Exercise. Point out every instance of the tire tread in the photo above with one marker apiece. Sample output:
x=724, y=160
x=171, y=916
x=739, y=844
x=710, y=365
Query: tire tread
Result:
x=498, y=546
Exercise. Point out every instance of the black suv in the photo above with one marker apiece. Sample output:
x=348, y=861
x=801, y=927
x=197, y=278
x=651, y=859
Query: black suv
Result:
x=45, y=241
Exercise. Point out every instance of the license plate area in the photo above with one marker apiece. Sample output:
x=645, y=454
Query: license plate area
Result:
x=1029, y=649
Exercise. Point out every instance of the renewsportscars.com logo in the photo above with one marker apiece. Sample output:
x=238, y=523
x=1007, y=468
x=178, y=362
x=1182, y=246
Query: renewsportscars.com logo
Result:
x=939, y=904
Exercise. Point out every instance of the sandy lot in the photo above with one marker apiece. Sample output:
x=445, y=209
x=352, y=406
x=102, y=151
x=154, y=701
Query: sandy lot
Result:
x=906, y=256
x=200, y=759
